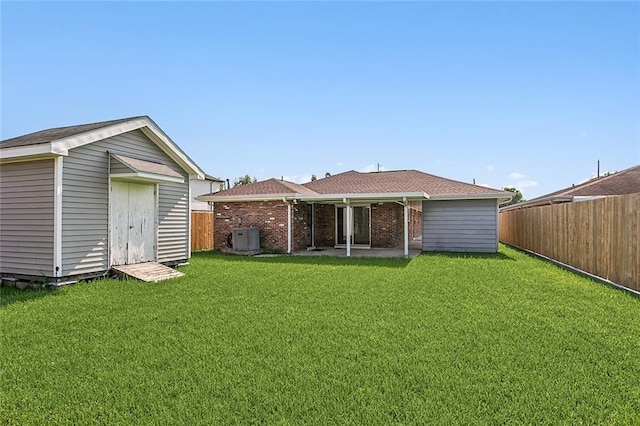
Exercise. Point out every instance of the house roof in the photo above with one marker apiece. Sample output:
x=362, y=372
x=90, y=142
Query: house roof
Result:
x=58, y=141
x=269, y=188
x=620, y=183
x=396, y=181
x=391, y=185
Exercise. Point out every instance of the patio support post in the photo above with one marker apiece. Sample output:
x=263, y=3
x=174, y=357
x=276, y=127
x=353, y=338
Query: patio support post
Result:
x=406, y=227
x=348, y=208
x=288, y=226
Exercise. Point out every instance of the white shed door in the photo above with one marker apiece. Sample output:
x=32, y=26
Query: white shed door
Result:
x=132, y=221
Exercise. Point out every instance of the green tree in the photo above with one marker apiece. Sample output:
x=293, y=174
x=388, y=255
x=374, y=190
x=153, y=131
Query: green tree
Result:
x=517, y=196
x=244, y=180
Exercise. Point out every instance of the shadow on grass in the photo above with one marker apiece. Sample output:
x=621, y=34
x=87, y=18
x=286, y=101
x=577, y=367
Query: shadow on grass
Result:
x=462, y=255
x=9, y=295
x=307, y=260
x=387, y=262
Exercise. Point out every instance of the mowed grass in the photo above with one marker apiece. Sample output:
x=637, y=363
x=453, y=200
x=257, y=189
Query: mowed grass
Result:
x=440, y=339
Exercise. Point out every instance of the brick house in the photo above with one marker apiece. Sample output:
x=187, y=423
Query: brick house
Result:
x=361, y=210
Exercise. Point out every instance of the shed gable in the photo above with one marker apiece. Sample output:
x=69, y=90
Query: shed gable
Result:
x=85, y=201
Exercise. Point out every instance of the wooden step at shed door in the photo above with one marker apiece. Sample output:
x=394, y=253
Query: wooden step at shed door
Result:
x=148, y=271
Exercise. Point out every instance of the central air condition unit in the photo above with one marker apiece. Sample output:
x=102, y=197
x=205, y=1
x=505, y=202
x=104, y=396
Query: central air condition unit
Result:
x=246, y=241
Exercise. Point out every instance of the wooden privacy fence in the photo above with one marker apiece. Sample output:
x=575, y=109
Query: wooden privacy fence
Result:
x=598, y=236
x=201, y=230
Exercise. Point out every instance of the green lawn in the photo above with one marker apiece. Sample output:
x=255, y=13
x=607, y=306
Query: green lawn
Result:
x=439, y=339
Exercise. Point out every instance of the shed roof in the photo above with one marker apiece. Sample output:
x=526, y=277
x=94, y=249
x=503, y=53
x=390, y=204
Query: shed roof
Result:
x=49, y=135
x=58, y=141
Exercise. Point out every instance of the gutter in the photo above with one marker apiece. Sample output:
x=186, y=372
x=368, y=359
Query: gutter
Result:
x=545, y=202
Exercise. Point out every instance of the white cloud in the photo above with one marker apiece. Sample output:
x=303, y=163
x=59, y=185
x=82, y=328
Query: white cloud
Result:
x=516, y=175
x=304, y=178
x=489, y=167
x=526, y=184
x=372, y=168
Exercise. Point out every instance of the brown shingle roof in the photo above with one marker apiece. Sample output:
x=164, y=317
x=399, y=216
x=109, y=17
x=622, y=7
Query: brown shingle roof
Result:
x=265, y=187
x=353, y=182
x=620, y=183
x=48, y=135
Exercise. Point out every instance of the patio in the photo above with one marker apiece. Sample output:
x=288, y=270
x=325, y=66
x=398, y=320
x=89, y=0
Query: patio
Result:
x=414, y=250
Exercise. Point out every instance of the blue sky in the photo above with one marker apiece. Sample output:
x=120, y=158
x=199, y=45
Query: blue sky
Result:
x=529, y=94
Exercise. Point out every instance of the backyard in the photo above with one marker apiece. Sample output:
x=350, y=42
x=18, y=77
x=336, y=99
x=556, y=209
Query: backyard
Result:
x=441, y=338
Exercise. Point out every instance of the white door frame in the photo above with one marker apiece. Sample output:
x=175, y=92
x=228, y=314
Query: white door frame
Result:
x=348, y=221
x=120, y=211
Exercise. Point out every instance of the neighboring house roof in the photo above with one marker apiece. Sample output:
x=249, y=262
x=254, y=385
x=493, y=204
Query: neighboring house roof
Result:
x=620, y=183
x=391, y=185
x=58, y=141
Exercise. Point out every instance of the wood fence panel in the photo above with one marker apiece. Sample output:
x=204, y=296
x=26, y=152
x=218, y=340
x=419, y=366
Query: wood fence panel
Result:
x=597, y=236
x=201, y=230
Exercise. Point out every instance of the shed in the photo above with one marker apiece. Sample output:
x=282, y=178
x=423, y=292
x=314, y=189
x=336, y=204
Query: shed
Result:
x=77, y=200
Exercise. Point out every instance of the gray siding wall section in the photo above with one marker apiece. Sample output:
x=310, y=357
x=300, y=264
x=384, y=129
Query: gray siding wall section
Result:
x=85, y=214
x=26, y=218
x=118, y=167
x=460, y=226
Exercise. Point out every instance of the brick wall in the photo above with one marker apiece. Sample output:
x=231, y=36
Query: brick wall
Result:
x=268, y=216
x=387, y=226
x=299, y=216
x=325, y=225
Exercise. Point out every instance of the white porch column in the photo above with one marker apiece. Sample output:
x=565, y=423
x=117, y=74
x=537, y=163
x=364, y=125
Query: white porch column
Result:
x=348, y=208
x=289, y=227
x=406, y=227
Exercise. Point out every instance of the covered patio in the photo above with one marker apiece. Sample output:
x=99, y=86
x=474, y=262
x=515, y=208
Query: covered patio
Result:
x=414, y=249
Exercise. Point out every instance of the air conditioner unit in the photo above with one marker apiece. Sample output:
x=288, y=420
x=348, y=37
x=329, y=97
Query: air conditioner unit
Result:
x=246, y=241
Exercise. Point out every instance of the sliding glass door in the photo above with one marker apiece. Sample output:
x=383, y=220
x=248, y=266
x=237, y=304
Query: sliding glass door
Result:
x=360, y=225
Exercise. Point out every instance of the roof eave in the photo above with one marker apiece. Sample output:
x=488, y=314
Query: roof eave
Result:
x=487, y=196
x=31, y=152
x=145, y=124
x=363, y=197
x=239, y=198
x=538, y=203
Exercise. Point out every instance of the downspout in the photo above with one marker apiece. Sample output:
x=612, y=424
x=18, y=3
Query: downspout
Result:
x=288, y=225
x=406, y=226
